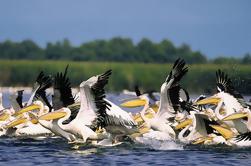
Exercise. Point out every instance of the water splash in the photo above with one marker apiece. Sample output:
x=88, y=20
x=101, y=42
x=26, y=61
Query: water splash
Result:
x=159, y=141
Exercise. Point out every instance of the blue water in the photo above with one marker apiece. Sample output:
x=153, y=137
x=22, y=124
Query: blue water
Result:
x=56, y=151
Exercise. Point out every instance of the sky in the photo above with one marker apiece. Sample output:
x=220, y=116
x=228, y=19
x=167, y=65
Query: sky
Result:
x=214, y=27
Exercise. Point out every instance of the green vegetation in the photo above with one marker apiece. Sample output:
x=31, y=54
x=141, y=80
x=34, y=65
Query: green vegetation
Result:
x=200, y=78
x=116, y=50
x=145, y=63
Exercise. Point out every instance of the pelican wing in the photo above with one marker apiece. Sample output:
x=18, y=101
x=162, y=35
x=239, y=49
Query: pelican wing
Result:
x=224, y=83
x=19, y=98
x=174, y=96
x=99, y=96
x=177, y=72
x=137, y=91
x=244, y=137
x=42, y=83
x=185, y=103
x=183, y=94
x=93, y=106
x=45, y=82
x=170, y=90
x=13, y=101
x=117, y=117
x=62, y=91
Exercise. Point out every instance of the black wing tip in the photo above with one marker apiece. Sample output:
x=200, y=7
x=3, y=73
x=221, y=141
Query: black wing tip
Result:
x=223, y=82
x=63, y=85
x=180, y=64
x=107, y=73
x=99, y=96
x=179, y=61
x=137, y=91
x=66, y=70
x=178, y=71
x=243, y=137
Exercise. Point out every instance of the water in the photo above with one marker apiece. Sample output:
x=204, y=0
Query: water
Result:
x=56, y=151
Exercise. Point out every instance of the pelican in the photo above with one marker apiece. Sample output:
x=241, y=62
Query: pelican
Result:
x=146, y=99
x=243, y=139
x=28, y=124
x=61, y=99
x=16, y=103
x=169, y=101
x=95, y=112
x=227, y=101
x=100, y=112
x=42, y=83
x=196, y=126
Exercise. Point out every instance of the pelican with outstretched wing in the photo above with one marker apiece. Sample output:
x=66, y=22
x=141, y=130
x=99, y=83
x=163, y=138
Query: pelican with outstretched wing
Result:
x=169, y=101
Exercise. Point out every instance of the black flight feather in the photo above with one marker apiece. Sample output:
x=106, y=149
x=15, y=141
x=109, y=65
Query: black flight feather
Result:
x=178, y=71
x=174, y=97
x=19, y=98
x=44, y=82
x=209, y=129
x=62, y=91
x=99, y=96
x=137, y=91
x=243, y=137
x=224, y=83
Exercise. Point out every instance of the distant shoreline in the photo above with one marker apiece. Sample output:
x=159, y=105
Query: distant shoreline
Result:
x=200, y=78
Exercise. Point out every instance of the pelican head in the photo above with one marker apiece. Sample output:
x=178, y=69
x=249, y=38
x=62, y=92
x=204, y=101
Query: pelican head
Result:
x=91, y=81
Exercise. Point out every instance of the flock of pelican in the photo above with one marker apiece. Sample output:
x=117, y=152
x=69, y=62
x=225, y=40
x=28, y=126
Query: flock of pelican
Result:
x=89, y=118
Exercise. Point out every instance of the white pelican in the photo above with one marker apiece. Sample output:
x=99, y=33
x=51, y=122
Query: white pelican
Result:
x=169, y=100
x=243, y=139
x=227, y=101
x=26, y=124
x=62, y=97
x=95, y=112
x=196, y=126
x=42, y=83
x=62, y=85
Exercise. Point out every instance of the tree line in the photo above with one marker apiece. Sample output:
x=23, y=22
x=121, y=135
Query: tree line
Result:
x=116, y=49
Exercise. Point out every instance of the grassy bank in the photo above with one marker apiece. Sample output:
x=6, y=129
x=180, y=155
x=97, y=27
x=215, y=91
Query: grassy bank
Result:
x=200, y=78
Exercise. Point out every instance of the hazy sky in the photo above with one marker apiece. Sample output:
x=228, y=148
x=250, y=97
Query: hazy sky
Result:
x=215, y=27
